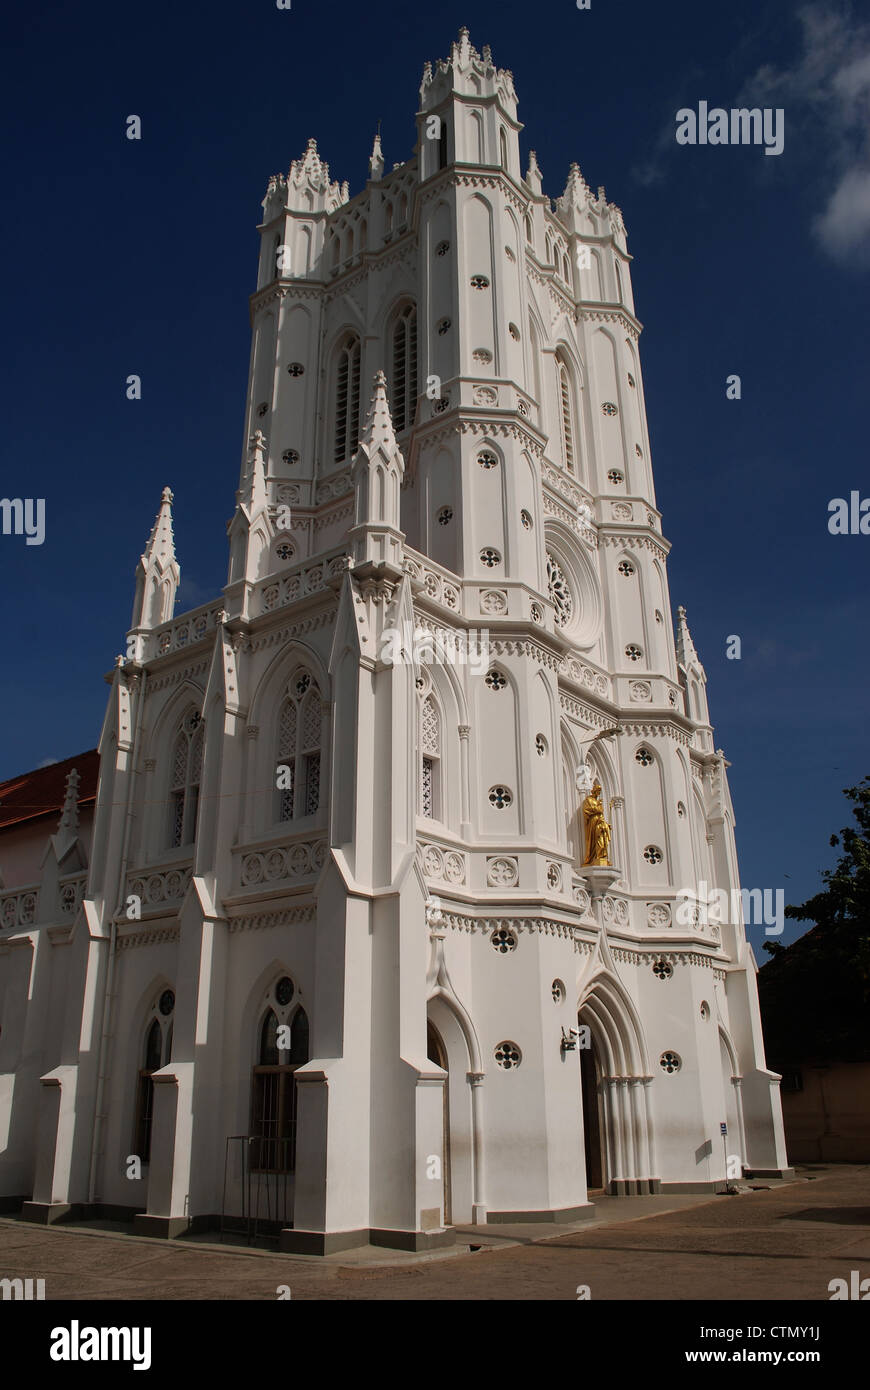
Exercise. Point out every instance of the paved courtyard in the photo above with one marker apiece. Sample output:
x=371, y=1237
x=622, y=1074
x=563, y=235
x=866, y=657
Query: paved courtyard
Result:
x=783, y=1242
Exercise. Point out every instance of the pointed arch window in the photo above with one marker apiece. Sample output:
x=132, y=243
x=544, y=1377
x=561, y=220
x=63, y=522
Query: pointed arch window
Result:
x=347, y=399
x=430, y=759
x=186, y=777
x=297, y=777
x=403, y=392
x=282, y=1048
x=503, y=149
x=566, y=412
x=442, y=146
x=156, y=1052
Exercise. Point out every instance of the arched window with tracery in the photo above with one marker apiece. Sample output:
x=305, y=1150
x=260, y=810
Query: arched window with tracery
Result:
x=566, y=414
x=156, y=1052
x=403, y=386
x=347, y=399
x=186, y=777
x=297, y=778
x=282, y=1047
x=430, y=759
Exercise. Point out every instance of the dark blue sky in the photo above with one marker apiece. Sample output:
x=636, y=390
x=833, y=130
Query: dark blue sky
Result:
x=139, y=257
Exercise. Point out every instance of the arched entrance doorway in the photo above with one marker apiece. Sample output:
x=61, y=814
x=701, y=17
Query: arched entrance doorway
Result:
x=437, y=1053
x=590, y=1077
x=615, y=1076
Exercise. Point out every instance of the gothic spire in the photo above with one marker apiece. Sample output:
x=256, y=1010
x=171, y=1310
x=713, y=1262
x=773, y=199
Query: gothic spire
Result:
x=69, y=816
x=376, y=162
x=377, y=432
x=158, y=572
x=686, y=653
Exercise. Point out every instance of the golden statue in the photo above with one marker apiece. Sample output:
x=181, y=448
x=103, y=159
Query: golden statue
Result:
x=596, y=829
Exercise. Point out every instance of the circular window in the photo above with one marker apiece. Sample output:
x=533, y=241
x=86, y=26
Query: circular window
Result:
x=653, y=855
x=630, y=379
x=490, y=557
x=705, y=1010
x=537, y=613
x=441, y=404
x=500, y=797
x=479, y=282
x=285, y=551
x=495, y=680
x=508, y=1055
x=303, y=684
x=540, y=745
x=514, y=332
x=681, y=810
x=167, y=1002
x=608, y=408
x=443, y=326
x=487, y=460
x=615, y=477
x=633, y=651
x=504, y=940
x=557, y=989
x=263, y=409
x=290, y=456
x=638, y=450
x=296, y=369
x=284, y=990
x=626, y=568
x=442, y=248
x=663, y=970
x=644, y=757
x=670, y=1061
x=526, y=519
x=560, y=594
x=445, y=516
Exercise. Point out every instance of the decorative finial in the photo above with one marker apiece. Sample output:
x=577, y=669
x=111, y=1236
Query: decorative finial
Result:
x=168, y=495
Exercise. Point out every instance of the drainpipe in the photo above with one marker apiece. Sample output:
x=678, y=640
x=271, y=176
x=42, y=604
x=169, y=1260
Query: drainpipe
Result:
x=108, y=997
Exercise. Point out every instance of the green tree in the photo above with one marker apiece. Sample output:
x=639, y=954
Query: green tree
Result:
x=815, y=993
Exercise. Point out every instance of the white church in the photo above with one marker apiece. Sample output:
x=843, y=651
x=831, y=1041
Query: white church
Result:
x=327, y=956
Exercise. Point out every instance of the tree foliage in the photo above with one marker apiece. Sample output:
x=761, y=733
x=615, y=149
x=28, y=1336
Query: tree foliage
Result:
x=815, y=993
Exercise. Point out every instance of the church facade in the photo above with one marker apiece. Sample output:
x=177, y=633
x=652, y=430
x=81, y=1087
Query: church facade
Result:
x=393, y=907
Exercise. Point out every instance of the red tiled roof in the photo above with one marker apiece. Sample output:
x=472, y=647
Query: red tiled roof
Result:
x=40, y=792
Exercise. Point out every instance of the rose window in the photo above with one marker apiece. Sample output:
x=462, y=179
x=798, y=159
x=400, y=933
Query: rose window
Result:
x=560, y=594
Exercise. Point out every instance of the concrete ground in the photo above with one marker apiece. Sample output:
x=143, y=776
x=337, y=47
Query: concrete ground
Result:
x=785, y=1240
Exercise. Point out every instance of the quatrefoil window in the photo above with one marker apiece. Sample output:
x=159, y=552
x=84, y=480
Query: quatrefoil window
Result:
x=508, y=1055
x=653, y=855
x=663, y=970
x=626, y=568
x=633, y=651
x=500, y=797
x=444, y=326
x=442, y=248
x=504, y=940
x=487, y=460
x=644, y=757
x=615, y=477
x=490, y=557
x=608, y=408
x=285, y=551
x=495, y=680
x=445, y=516
x=263, y=409
x=479, y=282
x=296, y=369
x=290, y=456
x=670, y=1062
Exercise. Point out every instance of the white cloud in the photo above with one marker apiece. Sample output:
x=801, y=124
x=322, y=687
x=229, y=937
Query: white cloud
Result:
x=826, y=97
